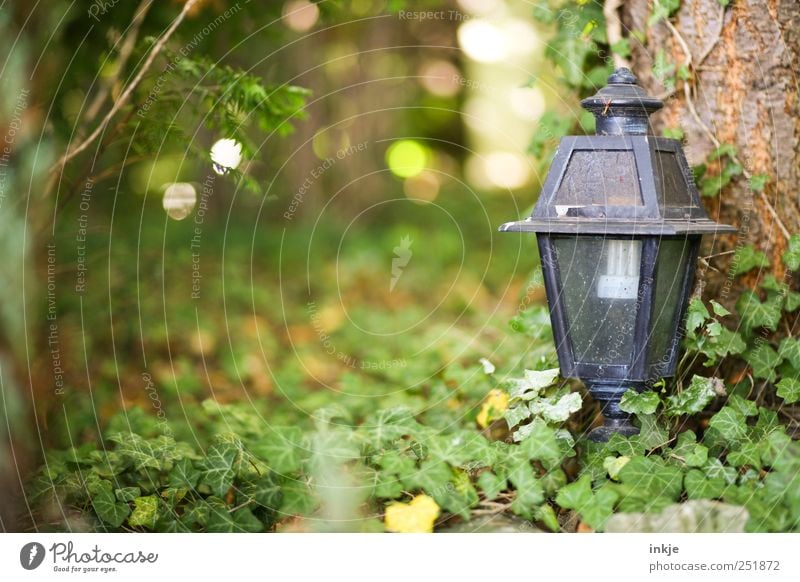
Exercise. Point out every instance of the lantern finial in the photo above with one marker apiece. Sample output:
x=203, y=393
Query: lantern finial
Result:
x=622, y=107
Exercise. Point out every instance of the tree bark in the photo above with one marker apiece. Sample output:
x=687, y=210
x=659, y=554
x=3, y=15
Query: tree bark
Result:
x=743, y=88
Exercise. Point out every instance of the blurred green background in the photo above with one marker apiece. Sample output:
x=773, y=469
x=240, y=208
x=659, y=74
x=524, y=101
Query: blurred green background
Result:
x=349, y=259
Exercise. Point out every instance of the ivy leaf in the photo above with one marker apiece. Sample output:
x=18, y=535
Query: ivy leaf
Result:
x=696, y=315
x=594, y=507
x=763, y=360
x=771, y=284
x=699, y=486
x=576, y=495
x=531, y=385
x=747, y=258
x=264, y=491
x=758, y=182
x=126, y=494
x=459, y=496
x=693, y=399
x=283, y=449
x=394, y=462
x=726, y=342
x=184, y=474
x=652, y=476
x=635, y=402
x=719, y=310
x=137, y=450
x=218, y=471
x=791, y=258
x=613, y=465
x=221, y=520
x=688, y=451
x=432, y=475
x=789, y=390
x=792, y=301
x=298, y=499
x=730, y=424
x=541, y=445
x=530, y=492
x=749, y=454
x=516, y=414
x=790, y=350
x=651, y=433
x=107, y=507
x=556, y=409
x=145, y=512
x=746, y=407
x=754, y=313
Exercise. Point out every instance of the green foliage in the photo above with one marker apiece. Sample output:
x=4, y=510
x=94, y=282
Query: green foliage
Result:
x=791, y=258
x=663, y=9
x=746, y=258
x=692, y=399
x=639, y=403
x=706, y=335
x=718, y=171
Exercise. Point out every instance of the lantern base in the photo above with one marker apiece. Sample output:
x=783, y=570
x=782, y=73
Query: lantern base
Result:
x=615, y=420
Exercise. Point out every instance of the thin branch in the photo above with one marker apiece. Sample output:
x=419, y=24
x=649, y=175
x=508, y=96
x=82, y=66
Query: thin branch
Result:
x=614, y=30
x=125, y=51
x=722, y=254
x=123, y=98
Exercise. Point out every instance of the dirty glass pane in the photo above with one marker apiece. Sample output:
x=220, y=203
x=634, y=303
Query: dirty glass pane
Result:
x=671, y=264
x=597, y=177
x=670, y=183
x=599, y=283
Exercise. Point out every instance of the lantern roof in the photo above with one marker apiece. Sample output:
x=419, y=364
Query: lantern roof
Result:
x=623, y=180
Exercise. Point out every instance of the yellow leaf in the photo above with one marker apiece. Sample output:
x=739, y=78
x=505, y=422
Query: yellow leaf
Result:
x=415, y=517
x=494, y=406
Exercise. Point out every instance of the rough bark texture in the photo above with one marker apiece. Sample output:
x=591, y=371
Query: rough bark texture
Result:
x=744, y=87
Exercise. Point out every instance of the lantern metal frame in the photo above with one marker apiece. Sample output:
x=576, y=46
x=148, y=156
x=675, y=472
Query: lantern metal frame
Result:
x=665, y=206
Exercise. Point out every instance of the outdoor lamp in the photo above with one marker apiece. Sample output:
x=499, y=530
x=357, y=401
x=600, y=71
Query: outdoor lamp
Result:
x=618, y=222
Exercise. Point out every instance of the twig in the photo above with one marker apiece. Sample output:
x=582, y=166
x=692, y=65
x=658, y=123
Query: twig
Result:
x=705, y=262
x=614, y=30
x=244, y=504
x=714, y=256
x=125, y=52
x=123, y=98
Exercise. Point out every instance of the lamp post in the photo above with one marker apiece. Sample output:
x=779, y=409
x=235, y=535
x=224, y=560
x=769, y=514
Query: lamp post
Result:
x=618, y=224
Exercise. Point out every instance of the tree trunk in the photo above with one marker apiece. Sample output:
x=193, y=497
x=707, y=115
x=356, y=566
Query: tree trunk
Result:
x=742, y=90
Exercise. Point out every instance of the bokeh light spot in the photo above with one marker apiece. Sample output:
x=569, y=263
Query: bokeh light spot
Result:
x=226, y=154
x=179, y=200
x=300, y=15
x=406, y=158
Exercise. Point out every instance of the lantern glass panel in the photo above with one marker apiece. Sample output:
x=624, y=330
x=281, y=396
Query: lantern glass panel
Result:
x=671, y=267
x=599, y=178
x=600, y=284
x=670, y=181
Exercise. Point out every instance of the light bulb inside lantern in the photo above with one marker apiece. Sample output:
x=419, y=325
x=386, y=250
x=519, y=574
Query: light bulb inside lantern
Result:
x=621, y=275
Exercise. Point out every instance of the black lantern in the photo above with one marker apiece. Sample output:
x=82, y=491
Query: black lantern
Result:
x=618, y=222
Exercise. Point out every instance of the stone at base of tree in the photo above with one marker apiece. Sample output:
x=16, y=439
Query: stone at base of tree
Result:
x=696, y=516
